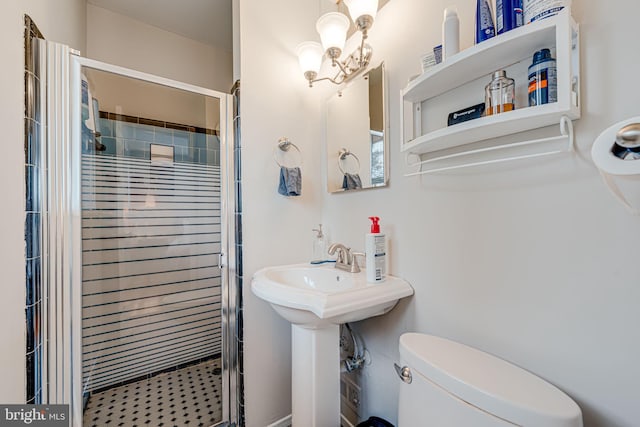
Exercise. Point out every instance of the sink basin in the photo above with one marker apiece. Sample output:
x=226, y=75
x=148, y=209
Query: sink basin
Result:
x=313, y=296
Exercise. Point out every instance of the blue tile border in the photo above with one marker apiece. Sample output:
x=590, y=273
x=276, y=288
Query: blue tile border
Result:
x=156, y=123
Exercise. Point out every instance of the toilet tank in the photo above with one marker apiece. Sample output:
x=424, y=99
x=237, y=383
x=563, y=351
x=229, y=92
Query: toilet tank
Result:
x=453, y=385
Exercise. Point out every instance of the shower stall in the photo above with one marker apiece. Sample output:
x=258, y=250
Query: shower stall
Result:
x=140, y=235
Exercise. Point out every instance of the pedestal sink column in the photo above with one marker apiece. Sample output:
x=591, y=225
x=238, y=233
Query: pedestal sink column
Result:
x=315, y=376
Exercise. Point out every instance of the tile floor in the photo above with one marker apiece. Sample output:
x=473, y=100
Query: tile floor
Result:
x=191, y=396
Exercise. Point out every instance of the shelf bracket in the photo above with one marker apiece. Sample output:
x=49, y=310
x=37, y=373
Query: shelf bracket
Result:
x=465, y=159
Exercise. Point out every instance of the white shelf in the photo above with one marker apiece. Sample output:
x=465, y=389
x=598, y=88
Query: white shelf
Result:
x=471, y=158
x=486, y=128
x=559, y=32
x=482, y=59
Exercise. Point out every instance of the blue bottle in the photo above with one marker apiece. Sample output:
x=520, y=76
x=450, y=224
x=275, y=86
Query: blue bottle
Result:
x=543, y=79
x=484, y=21
x=508, y=15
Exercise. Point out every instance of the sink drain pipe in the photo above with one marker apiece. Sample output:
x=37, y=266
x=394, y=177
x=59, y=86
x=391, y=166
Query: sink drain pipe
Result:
x=356, y=359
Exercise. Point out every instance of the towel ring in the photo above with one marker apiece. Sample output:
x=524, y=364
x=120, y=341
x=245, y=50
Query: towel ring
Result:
x=283, y=146
x=342, y=155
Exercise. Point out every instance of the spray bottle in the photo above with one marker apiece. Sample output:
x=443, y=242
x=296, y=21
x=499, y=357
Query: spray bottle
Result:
x=508, y=15
x=375, y=252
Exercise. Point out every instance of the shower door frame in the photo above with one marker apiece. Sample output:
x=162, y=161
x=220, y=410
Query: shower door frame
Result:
x=226, y=262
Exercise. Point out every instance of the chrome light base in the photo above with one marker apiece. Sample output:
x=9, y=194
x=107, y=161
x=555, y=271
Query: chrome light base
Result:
x=350, y=67
x=363, y=23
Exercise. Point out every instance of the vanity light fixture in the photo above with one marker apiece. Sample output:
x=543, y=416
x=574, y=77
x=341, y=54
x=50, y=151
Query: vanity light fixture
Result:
x=333, y=27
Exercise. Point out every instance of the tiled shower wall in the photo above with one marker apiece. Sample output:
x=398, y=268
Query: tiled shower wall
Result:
x=35, y=295
x=128, y=136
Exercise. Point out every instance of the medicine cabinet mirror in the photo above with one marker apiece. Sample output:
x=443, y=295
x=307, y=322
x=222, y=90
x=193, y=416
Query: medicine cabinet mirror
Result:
x=357, y=147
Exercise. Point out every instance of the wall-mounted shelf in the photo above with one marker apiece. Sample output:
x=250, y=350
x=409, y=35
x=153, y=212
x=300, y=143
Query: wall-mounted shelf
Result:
x=424, y=133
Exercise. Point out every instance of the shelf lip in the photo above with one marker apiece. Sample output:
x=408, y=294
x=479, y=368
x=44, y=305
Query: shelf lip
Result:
x=436, y=81
x=484, y=128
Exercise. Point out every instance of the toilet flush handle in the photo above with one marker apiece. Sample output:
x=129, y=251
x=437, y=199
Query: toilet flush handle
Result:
x=404, y=373
x=629, y=136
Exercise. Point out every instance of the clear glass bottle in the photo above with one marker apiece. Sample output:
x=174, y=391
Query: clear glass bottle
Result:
x=500, y=94
x=319, y=246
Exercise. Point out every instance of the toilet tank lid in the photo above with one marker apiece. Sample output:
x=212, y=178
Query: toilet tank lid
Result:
x=489, y=383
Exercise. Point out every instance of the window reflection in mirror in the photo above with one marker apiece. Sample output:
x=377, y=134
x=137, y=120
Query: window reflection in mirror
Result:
x=356, y=135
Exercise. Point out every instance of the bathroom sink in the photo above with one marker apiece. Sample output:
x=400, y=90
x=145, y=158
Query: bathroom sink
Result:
x=316, y=300
x=312, y=296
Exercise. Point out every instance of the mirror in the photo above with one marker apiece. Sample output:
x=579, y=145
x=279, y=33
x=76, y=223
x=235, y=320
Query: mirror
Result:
x=356, y=136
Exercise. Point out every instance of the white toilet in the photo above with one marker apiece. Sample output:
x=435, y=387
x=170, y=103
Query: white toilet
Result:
x=447, y=384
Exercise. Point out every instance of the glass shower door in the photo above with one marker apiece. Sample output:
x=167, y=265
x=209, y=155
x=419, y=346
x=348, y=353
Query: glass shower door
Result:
x=152, y=240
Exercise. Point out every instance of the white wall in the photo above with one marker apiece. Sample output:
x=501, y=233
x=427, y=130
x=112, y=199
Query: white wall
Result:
x=120, y=40
x=520, y=261
x=61, y=22
x=275, y=102
x=124, y=95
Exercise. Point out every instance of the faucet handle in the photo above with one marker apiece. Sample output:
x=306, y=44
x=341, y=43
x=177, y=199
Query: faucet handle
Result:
x=355, y=268
x=347, y=255
x=343, y=252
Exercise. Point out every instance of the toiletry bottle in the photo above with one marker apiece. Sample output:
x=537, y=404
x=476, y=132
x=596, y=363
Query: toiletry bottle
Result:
x=500, y=94
x=437, y=51
x=484, y=21
x=508, y=15
x=450, y=33
x=535, y=10
x=375, y=252
x=319, y=246
x=543, y=79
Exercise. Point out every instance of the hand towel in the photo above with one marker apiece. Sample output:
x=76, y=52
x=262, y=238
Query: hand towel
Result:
x=351, y=181
x=290, y=181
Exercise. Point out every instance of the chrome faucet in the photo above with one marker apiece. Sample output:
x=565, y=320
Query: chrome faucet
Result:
x=346, y=260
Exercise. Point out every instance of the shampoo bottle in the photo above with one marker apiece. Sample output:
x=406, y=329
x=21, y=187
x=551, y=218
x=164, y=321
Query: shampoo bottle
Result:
x=375, y=252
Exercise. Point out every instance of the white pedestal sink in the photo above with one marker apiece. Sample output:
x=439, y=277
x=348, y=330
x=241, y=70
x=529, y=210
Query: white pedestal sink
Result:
x=316, y=300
